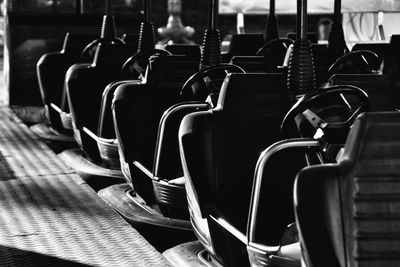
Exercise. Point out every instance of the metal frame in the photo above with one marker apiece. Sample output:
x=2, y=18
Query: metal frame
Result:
x=259, y=171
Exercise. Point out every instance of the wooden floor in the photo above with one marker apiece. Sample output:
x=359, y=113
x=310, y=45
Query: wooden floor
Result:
x=50, y=217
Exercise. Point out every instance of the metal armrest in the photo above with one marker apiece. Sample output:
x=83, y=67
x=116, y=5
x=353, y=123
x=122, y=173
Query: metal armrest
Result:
x=184, y=109
x=265, y=156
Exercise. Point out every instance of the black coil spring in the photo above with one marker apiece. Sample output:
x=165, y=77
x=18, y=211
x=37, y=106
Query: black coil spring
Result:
x=108, y=27
x=211, y=54
x=146, y=37
x=301, y=73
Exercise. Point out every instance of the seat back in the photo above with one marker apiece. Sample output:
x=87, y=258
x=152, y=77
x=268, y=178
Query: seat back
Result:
x=375, y=85
x=74, y=43
x=392, y=66
x=348, y=213
x=52, y=67
x=251, y=64
x=243, y=45
x=191, y=51
x=379, y=48
x=220, y=147
x=247, y=120
x=138, y=108
x=85, y=84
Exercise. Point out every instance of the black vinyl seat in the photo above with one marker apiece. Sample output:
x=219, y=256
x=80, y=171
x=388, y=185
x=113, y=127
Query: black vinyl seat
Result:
x=85, y=84
x=251, y=64
x=147, y=116
x=138, y=108
x=381, y=49
x=218, y=182
x=191, y=51
x=392, y=67
x=268, y=240
x=243, y=45
x=51, y=70
x=105, y=133
x=106, y=129
x=377, y=86
x=269, y=58
x=347, y=213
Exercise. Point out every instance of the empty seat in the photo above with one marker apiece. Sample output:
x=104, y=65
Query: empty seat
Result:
x=219, y=150
x=347, y=213
x=243, y=45
x=392, y=67
x=379, y=48
x=85, y=84
x=356, y=62
x=138, y=108
x=191, y=51
x=268, y=59
x=51, y=70
x=251, y=64
x=377, y=87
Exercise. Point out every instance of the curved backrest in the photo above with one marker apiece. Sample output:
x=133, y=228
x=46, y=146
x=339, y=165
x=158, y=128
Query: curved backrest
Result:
x=252, y=64
x=246, y=120
x=243, y=45
x=191, y=51
x=375, y=85
x=348, y=213
x=392, y=66
x=105, y=128
x=85, y=83
x=379, y=48
x=51, y=67
x=74, y=43
x=219, y=151
x=138, y=107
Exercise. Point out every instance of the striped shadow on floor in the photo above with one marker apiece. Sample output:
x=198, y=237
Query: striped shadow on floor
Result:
x=50, y=217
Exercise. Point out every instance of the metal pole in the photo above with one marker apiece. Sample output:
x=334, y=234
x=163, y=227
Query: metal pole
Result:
x=338, y=11
x=108, y=7
x=272, y=7
x=147, y=10
x=213, y=14
x=302, y=20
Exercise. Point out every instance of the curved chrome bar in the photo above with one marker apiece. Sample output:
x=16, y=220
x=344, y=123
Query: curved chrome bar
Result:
x=262, y=161
x=194, y=106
